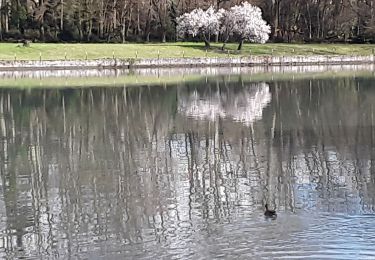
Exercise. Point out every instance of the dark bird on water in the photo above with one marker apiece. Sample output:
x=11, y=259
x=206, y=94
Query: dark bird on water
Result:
x=269, y=212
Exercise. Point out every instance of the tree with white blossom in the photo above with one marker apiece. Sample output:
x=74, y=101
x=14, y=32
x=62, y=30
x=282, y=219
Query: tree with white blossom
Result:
x=200, y=23
x=245, y=22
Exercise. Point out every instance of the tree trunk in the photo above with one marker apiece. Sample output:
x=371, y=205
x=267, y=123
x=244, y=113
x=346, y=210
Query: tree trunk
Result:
x=123, y=38
x=148, y=24
x=240, y=45
x=164, y=37
x=310, y=22
x=1, y=22
x=138, y=31
x=276, y=20
x=18, y=11
x=89, y=30
x=6, y=18
x=42, y=34
x=101, y=28
x=101, y=19
x=129, y=23
x=161, y=11
x=114, y=15
x=80, y=30
x=225, y=43
x=207, y=44
x=123, y=30
x=62, y=16
x=147, y=34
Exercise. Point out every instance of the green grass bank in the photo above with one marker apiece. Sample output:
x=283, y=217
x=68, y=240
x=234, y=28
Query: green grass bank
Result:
x=126, y=79
x=59, y=51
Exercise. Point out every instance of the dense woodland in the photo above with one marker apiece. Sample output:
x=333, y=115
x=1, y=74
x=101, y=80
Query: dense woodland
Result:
x=155, y=20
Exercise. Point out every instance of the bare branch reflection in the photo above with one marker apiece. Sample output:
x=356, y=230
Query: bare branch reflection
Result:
x=157, y=171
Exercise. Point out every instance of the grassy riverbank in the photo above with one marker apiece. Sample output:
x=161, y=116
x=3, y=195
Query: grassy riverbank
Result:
x=130, y=80
x=50, y=51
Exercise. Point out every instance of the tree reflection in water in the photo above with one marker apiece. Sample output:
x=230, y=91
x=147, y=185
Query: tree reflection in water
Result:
x=154, y=171
x=245, y=105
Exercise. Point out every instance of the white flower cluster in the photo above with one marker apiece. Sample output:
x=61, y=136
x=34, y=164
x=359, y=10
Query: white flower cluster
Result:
x=244, y=21
x=199, y=22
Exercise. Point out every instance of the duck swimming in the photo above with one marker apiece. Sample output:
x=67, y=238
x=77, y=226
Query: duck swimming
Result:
x=269, y=212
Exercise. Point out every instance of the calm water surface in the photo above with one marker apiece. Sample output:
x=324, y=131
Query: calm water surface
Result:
x=183, y=171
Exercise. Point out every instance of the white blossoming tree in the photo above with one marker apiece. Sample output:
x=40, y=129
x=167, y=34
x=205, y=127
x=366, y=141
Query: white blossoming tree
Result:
x=245, y=22
x=200, y=23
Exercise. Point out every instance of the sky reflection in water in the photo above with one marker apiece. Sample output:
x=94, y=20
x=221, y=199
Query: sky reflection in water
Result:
x=183, y=171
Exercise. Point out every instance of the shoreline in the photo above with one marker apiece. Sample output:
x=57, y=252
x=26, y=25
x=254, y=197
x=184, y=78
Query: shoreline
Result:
x=165, y=76
x=249, y=61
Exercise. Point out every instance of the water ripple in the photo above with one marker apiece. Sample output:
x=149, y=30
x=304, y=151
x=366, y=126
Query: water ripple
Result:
x=154, y=173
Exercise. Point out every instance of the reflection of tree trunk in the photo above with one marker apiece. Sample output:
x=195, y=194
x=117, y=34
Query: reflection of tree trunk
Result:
x=271, y=171
x=282, y=184
x=64, y=113
x=2, y=119
x=191, y=164
x=217, y=165
x=16, y=219
x=372, y=137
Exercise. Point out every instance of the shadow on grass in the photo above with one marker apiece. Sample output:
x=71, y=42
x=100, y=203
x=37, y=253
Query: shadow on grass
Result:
x=250, y=49
x=213, y=49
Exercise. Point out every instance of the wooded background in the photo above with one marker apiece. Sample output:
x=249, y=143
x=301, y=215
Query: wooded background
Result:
x=155, y=20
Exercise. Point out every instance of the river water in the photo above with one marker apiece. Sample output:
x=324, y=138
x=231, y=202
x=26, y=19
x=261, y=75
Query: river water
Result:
x=183, y=170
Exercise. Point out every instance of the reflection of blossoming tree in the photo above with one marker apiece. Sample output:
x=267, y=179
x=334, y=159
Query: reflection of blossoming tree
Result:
x=245, y=106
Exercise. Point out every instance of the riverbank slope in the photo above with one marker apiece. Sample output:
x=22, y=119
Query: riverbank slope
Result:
x=71, y=56
x=187, y=62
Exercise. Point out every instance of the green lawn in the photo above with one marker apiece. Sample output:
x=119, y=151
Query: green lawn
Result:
x=51, y=51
